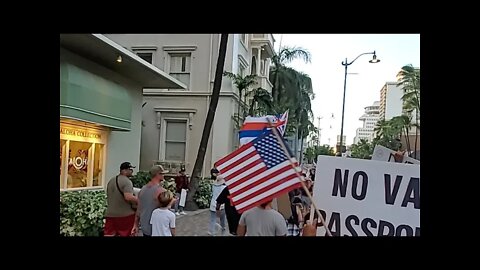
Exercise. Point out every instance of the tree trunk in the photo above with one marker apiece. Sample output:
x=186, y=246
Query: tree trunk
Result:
x=407, y=141
x=197, y=169
x=296, y=142
x=301, y=148
x=416, y=135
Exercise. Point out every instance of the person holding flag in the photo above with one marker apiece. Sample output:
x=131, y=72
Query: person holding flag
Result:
x=255, y=174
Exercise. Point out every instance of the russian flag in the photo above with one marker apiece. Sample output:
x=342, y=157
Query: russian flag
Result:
x=254, y=126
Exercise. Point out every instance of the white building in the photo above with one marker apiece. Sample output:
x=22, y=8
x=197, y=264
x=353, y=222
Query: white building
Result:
x=174, y=120
x=391, y=103
x=369, y=118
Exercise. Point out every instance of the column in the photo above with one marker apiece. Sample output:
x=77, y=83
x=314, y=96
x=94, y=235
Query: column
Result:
x=259, y=55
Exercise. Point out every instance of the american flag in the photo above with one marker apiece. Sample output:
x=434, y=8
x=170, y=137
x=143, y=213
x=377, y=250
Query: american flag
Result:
x=282, y=122
x=258, y=172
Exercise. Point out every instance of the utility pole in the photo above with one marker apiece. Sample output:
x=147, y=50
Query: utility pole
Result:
x=319, y=131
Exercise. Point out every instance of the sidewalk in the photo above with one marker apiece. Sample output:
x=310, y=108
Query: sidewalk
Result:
x=194, y=223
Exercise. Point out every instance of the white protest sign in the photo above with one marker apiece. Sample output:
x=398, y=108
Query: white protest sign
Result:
x=382, y=153
x=360, y=197
x=183, y=197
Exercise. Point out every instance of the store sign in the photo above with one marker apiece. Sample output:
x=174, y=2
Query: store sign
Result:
x=79, y=161
x=80, y=133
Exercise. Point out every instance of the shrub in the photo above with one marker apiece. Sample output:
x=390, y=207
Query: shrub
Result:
x=143, y=177
x=140, y=179
x=82, y=212
x=204, y=193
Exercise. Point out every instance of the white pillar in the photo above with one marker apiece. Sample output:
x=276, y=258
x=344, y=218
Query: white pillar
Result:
x=259, y=55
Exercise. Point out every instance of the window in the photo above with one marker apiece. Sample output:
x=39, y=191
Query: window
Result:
x=147, y=56
x=175, y=140
x=82, y=153
x=253, y=71
x=180, y=64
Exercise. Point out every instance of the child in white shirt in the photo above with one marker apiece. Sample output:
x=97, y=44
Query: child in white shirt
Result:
x=163, y=220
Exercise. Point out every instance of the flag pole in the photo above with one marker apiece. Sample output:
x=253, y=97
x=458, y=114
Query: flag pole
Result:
x=284, y=148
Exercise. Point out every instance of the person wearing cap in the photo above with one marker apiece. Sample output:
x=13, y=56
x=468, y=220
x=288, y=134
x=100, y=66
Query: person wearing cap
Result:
x=120, y=215
x=217, y=188
x=148, y=200
x=181, y=182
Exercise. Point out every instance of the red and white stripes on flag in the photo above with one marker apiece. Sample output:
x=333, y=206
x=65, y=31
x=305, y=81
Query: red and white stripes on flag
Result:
x=258, y=172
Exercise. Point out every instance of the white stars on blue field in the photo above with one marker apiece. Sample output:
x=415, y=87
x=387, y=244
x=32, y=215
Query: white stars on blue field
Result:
x=269, y=150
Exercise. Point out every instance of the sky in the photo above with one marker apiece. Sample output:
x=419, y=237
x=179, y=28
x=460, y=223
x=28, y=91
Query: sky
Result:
x=363, y=87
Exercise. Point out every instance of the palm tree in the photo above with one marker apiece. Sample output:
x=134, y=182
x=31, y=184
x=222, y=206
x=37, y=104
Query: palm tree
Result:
x=261, y=103
x=387, y=134
x=310, y=154
x=242, y=84
x=409, y=78
x=363, y=149
x=403, y=123
x=217, y=83
x=283, y=75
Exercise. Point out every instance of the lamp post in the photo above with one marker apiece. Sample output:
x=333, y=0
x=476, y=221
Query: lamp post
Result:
x=346, y=64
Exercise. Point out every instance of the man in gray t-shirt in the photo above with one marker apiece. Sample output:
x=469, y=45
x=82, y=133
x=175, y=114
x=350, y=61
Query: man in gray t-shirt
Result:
x=262, y=221
x=119, y=216
x=148, y=200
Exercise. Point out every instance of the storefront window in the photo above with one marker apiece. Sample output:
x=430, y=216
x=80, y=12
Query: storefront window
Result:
x=82, y=157
x=98, y=165
x=78, y=164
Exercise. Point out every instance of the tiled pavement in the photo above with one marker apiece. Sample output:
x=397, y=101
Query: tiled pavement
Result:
x=194, y=223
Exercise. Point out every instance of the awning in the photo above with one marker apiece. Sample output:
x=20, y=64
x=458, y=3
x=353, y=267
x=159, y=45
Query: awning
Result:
x=104, y=51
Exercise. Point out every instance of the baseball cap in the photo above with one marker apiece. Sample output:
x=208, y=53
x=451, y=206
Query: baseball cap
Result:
x=126, y=165
x=157, y=169
x=214, y=170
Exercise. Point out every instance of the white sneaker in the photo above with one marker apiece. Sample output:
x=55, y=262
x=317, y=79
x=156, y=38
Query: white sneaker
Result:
x=183, y=213
x=177, y=213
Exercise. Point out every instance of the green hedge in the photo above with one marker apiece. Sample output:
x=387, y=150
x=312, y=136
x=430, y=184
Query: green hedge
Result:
x=204, y=193
x=82, y=212
x=142, y=178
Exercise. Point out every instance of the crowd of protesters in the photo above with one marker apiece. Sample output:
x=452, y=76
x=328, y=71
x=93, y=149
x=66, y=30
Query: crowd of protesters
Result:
x=151, y=210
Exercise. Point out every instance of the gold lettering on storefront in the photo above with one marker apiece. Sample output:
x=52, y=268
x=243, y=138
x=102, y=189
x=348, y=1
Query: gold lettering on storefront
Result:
x=80, y=133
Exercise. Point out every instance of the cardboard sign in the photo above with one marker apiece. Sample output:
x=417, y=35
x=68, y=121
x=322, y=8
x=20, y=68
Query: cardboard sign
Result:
x=183, y=197
x=360, y=197
x=382, y=153
x=284, y=206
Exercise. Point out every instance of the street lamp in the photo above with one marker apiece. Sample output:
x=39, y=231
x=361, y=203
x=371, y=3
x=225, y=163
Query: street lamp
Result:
x=346, y=64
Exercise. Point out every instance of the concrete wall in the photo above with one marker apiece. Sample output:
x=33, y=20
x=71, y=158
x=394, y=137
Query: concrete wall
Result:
x=222, y=129
x=204, y=61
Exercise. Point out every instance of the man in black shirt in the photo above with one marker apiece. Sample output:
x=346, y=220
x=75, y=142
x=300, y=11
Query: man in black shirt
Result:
x=233, y=217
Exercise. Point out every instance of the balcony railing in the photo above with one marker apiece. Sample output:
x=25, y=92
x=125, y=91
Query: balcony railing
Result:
x=264, y=40
x=263, y=37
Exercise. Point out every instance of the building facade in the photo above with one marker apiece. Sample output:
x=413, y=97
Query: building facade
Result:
x=391, y=105
x=174, y=120
x=369, y=119
x=100, y=108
